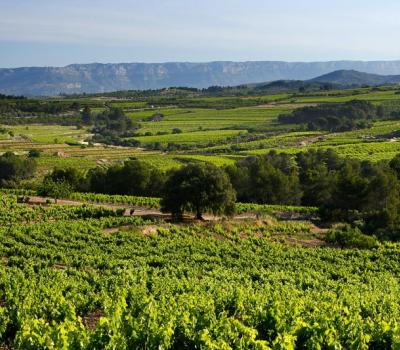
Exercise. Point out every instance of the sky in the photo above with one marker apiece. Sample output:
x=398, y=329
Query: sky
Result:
x=62, y=32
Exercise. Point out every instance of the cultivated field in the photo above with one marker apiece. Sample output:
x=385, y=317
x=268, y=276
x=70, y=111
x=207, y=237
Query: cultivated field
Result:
x=209, y=134
x=106, y=271
x=126, y=283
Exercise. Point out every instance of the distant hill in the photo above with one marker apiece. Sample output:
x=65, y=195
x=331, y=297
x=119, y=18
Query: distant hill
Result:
x=355, y=78
x=92, y=78
x=290, y=86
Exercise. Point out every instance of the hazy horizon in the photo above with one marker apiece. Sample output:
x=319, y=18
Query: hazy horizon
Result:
x=193, y=62
x=59, y=33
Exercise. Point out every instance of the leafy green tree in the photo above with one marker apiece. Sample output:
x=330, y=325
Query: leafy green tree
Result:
x=111, y=126
x=351, y=190
x=72, y=176
x=55, y=189
x=14, y=168
x=134, y=177
x=97, y=180
x=395, y=165
x=259, y=180
x=198, y=188
x=382, y=205
x=87, y=116
x=113, y=121
x=318, y=175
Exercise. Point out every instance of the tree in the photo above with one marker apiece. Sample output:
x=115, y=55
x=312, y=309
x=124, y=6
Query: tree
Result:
x=97, y=180
x=14, y=168
x=333, y=117
x=198, y=188
x=318, y=184
x=318, y=175
x=382, y=205
x=380, y=111
x=395, y=165
x=72, y=176
x=351, y=188
x=55, y=189
x=113, y=120
x=134, y=177
x=86, y=115
x=271, y=179
x=111, y=126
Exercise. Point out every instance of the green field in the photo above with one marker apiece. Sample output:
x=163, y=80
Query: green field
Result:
x=103, y=271
x=195, y=138
x=209, y=119
x=87, y=280
x=50, y=133
x=210, y=134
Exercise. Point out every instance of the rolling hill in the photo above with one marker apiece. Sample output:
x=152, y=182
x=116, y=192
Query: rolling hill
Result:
x=355, y=78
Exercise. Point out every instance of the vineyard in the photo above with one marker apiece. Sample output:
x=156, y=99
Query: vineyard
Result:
x=152, y=202
x=197, y=138
x=116, y=199
x=101, y=271
x=69, y=283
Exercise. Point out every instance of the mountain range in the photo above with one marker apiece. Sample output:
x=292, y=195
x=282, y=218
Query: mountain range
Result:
x=96, y=77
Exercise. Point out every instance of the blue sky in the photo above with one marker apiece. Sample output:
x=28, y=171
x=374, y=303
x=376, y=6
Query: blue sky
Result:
x=60, y=32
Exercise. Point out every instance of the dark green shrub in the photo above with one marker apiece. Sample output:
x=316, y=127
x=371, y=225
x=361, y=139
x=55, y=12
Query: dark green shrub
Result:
x=347, y=236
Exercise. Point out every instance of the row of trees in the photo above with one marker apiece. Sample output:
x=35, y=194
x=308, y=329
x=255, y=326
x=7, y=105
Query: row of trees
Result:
x=20, y=106
x=134, y=177
x=195, y=188
x=344, y=189
x=335, y=117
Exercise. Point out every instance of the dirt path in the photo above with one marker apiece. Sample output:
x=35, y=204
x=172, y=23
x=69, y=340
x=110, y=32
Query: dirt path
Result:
x=311, y=243
x=157, y=214
x=314, y=240
x=138, y=210
x=38, y=200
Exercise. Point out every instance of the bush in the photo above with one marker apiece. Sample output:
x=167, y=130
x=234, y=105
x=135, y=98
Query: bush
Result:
x=34, y=153
x=14, y=168
x=350, y=237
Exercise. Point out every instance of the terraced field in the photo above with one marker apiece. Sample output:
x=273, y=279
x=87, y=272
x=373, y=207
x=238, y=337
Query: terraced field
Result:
x=195, y=138
x=49, y=134
x=210, y=119
x=209, y=134
x=365, y=144
x=348, y=95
